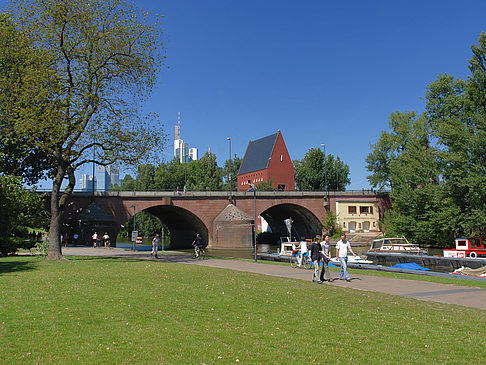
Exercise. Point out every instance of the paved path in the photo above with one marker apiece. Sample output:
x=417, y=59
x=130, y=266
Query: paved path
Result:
x=421, y=290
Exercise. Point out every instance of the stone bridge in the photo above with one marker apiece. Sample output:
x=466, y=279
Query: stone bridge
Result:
x=222, y=221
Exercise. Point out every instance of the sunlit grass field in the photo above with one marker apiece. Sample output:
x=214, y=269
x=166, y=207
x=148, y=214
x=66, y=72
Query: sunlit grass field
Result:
x=118, y=311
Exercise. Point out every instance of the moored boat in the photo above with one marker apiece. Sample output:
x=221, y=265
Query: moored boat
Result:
x=467, y=271
x=396, y=245
x=472, y=247
x=351, y=260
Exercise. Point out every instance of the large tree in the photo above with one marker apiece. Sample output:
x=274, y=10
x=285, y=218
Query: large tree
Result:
x=104, y=56
x=435, y=163
x=318, y=171
x=456, y=109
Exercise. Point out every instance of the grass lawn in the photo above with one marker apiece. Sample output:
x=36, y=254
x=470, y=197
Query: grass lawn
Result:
x=106, y=310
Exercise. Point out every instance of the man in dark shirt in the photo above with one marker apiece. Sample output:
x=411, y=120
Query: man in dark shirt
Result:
x=315, y=252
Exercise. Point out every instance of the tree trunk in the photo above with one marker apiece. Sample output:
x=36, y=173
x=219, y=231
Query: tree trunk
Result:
x=54, y=251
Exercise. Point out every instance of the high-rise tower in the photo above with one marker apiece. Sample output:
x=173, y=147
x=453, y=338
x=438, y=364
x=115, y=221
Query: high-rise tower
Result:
x=181, y=149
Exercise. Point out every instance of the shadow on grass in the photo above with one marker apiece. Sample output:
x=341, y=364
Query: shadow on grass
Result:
x=103, y=258
x=16, y=266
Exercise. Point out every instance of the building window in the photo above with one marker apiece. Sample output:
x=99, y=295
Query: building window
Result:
x=364, y=210
x=344, y=224
x=281, y=158
x=280, y=187
x=352, y=209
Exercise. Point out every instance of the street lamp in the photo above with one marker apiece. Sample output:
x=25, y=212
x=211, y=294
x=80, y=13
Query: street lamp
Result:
x=134, y=226
x=325, y=164
x=229, y=172
x=253, y=188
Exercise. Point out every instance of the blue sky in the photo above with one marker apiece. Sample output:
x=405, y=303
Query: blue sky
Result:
x=323, y=72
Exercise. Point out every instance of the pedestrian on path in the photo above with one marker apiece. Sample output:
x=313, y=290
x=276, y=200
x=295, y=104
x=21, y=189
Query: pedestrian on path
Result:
x=326, y=256
x=155, y=246
x=315, y=252
x=303, y=252
x=95, y=239
x=342, y=248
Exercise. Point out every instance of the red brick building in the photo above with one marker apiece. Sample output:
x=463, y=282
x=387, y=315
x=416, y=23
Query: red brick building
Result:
x=267, y=158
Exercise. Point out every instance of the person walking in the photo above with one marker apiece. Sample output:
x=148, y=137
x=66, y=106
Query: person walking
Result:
x=342, y=248
x=106, y=240
x=326, y=256
x=315, y=252
x=95, y=239
x=303, y=252
x=155, y=246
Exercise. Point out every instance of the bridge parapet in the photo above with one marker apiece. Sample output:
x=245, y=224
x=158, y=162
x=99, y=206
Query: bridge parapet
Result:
x=224, y=194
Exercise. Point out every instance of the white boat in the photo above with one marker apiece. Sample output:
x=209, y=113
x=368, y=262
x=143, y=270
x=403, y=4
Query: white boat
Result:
x=351, y=260
x=396, y=245
x=287, y=246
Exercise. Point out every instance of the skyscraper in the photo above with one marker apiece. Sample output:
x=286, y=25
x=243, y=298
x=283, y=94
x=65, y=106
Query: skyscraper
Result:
x=181, y=150
x=107, y=176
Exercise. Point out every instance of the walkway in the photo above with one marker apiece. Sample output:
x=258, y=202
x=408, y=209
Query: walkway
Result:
x=421, y=290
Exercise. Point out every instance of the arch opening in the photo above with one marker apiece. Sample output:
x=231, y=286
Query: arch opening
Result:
x=305, y=223
x=183, y=225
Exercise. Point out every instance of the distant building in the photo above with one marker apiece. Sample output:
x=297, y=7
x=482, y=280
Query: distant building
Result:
x=266, y=159
x=358, y=215
x=106, y=176
x=86, y=183
x=181, y=150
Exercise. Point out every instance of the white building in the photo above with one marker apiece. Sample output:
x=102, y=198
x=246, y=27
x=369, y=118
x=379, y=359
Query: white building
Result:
x=86, y=183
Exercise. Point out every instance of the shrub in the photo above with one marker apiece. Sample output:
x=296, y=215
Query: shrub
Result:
x=10, y=245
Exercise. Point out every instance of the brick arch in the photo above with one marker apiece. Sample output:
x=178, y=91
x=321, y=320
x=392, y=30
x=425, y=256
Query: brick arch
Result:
x=305, y=223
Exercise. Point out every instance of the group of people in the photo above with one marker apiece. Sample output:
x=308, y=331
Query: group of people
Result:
x=321, y=252
x=105, y=239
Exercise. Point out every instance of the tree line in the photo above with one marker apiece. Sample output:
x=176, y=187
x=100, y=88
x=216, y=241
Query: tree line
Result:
x=434, y=163
x=315, y=172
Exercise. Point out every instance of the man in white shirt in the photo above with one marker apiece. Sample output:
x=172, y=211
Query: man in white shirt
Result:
x=303, y=251
x=342, y=248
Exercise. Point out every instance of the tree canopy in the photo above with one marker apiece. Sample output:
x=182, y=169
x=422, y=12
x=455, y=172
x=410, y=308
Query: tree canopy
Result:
x=435, y=163
x=318, y=171
x=25, y=80
x=103, y=57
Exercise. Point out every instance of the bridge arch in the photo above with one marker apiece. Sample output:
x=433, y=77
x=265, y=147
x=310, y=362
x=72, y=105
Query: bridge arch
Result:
x=305, y=223
x=182, y=223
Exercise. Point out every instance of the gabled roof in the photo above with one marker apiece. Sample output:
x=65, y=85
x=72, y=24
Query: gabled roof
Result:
x=258, y=153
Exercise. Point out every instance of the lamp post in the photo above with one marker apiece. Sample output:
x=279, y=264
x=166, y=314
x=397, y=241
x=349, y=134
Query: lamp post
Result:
x=325, y=164
x=134, y=226
x=253, y=188
x=163, y=238
x=229, y=172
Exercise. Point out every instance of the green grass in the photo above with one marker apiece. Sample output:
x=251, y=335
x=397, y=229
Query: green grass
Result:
x=119, y=311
